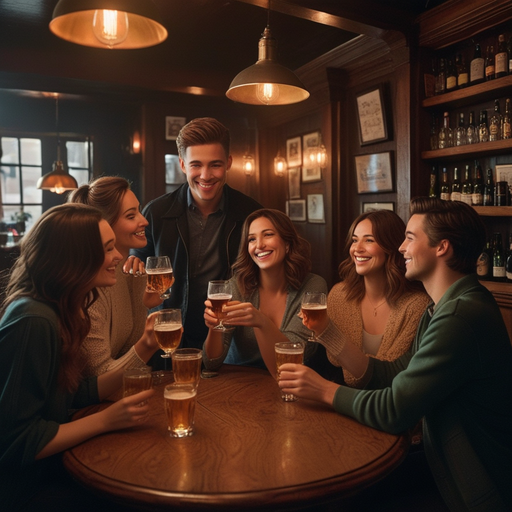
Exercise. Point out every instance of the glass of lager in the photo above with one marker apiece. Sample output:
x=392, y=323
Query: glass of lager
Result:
x=314, y=307
x=180, y=406
x=168, y=329
x=288, y=352
x=186, y=365
x=160, y=276
x=136, y=380
x=219, y=294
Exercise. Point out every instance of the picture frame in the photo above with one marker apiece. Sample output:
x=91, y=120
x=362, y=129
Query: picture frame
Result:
x=374, y=173
x=310, y=171
x=294, y=152
x=296, y=209
x=504, y=173
x=294, y=182
x=371, y=117
x=316, y=208
x=173, y=125
x=378, y=206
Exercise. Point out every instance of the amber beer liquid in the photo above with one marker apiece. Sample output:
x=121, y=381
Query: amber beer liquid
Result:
x=186, y=366
x=180, y=405
x=219, y=300
x=314, y=312
x=168, y=336
x=159, y=281
x=134, y=383
x=293, y=354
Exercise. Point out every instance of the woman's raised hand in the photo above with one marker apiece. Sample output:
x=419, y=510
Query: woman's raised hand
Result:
x=134, y=266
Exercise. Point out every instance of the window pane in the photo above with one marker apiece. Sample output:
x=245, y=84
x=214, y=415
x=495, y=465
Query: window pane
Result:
x=10, y=184
x=81, y=176
x=173, y=173
x=30, y=151
x=77, y=154
x=31, y=194
x=10, y=150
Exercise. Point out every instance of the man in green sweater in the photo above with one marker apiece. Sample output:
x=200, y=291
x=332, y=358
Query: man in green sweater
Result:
x=457, y=375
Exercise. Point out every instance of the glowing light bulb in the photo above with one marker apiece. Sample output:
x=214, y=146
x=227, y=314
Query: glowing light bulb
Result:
x=110, y=27
x=248, y=165
x=280, y=166
x=267, y=93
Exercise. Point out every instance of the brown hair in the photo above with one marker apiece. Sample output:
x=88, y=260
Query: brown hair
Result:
x=59, y=259
x=200, y=131
x=297, y=261
x=456, y=222
x=388, y=231
x=105, y=193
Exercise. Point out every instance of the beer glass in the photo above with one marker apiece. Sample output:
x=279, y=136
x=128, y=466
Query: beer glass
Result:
x=186, y=365
x=180, y=406
x=160, y=275
x=288, y=352
x=219, y=294
x=314, y=307
x=168, y=330
x=136, y=380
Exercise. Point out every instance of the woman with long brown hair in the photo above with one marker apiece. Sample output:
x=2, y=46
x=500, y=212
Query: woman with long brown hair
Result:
x=68, y=253
x=271, y=274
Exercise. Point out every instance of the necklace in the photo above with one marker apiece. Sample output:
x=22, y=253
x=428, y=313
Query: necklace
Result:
x=375, y=307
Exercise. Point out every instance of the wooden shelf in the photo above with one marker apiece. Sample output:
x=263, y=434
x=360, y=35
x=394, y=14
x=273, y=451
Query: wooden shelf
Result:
x=469, y=150
x=494, y=211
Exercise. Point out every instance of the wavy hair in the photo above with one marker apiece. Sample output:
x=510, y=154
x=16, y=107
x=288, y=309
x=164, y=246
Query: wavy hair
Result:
x=297, y=262
x=59, y=259
x=388, y=230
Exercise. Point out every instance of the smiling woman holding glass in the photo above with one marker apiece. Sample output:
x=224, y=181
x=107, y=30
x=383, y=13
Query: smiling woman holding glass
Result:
x=271, y=274
x=68, y=253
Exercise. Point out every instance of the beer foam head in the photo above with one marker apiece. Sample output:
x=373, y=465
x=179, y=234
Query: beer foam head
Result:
x=179, y=392
x=167, y=327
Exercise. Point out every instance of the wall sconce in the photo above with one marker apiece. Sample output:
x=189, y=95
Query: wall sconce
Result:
x=249, y=164
x=316, y=156
x=136, y=143
x=280, y=165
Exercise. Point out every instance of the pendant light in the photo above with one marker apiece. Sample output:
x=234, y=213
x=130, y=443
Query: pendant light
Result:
x=119, y=24
x=58, y=180
x=267, y=82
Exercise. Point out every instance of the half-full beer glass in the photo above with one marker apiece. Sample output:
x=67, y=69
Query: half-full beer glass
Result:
x=314, y=306
x=288, y=352
x=180, y=406
x=219, y=294
x=136, y=380
x=160, y=275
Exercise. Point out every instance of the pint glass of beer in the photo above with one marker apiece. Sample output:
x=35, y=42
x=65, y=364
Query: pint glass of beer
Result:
x=180, y=406
x=288, y=352
x=136, y=380
x=186, y=365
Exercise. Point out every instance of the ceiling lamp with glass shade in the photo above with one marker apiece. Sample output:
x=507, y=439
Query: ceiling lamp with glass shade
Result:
x=119, y=24
x=267, y=82
x=58, y=180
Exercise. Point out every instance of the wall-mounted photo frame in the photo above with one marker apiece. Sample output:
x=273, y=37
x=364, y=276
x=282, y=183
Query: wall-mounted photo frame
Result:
x=371, y=117
x=294, y=182
x=294, y=152
x=296, y=209
x=173, y=125
x=311, y=171
x=316, y=208
x=374, y=173
x=367, y=207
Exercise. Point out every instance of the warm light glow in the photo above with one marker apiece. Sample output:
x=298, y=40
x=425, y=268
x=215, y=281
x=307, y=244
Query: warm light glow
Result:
x=280, y=166
x=110, y=27
x=321, y=156
x=136, y=143
x=268, y=94
x=248, y=165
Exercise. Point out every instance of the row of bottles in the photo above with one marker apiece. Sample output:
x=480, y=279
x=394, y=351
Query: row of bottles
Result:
x=495, y=263
x=461, y=71
x=496, y=127
x=471, y=188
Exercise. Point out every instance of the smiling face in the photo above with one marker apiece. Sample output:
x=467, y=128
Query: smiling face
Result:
x=266, y=247
x=206, y=166
x=367, y=255
x=106, y=275
x=129, y=227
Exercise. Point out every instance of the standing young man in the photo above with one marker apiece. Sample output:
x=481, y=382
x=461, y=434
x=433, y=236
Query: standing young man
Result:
x=199, y=225
x=457, y=376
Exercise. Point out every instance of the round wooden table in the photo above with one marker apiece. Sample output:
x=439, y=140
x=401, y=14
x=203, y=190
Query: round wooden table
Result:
x=250, y=451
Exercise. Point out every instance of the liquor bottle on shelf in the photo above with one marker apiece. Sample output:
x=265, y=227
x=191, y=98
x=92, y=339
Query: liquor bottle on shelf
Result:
x=508, y=264
x=460, y=132
x=477, y=67
x=444, y=189
x=489, y=63
x=432, y=192
x=478, y=187
x=441, y=77
x=506, y=132
x=495, y=123
x=451, y=76
x=467, y=187
x=484, y=262
x=434, y=133
x=489, y=189
x=483, y=128
x=471, y=130
x=501, y=193
x=509, y=50
x=462, y=71
x=501, y=58
x=429, y=80
x=455, y=191
x=445, y=133
x=498, y=259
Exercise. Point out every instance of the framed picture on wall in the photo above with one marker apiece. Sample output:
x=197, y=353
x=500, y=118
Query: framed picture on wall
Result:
x=371, y=117
x=367, y=207
x=294, y=182
x=294, y=152
x=310, y=168
x=374, y=173
x=296, y=209
x=316, y=208
x=173, y=125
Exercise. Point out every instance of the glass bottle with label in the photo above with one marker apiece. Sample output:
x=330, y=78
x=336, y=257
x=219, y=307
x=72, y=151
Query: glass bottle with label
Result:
x=441, y=77
x=501, y=58
x=467, y=187
x=495, y=123
x=498, y=259
x=462, y=71
x=460, y=132
x=455, y=191
x=445, y=133
x=489, y=189
x=451, y=76
x=483, y=128
x=507, y=121
x=489, y=63
x=471, y=130
x=484, y=262
x=477, y=67
x=444, y=189
x=432, y=192
x=478, y=187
